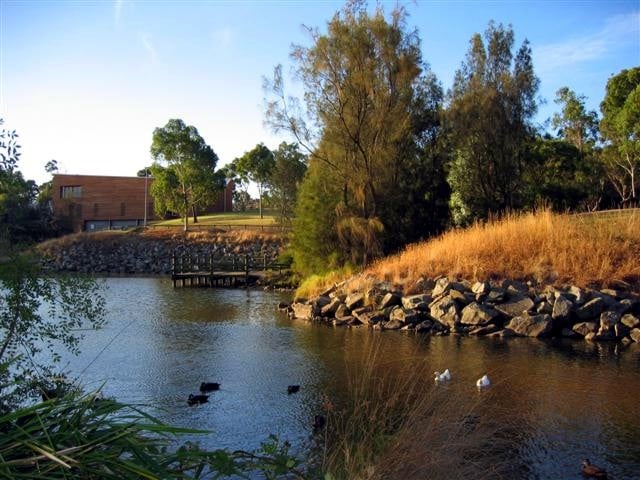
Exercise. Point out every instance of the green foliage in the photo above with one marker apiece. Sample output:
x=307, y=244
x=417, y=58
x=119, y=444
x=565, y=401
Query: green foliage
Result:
x=620, y=128
x=93, y=437
x=370, y=105
x=492, y=103
x=256, y=166
x=187, y=180
x=575, y=124
x=37, y=312
x=288, y=172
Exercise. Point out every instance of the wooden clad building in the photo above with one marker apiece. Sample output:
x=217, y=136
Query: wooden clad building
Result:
x=92, y=202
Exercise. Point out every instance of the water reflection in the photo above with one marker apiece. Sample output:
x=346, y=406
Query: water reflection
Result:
x=569, y=399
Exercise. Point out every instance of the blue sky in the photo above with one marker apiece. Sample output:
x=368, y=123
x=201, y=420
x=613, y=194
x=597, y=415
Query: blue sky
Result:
x=86, y=82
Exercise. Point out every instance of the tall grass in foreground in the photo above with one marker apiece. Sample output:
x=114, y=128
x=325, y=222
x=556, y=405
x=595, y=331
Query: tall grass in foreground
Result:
x=92, y=438
x=596, y=249
x=396, y=424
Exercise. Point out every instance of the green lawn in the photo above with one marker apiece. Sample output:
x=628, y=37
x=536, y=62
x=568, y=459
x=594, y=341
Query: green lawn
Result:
x=230, y=218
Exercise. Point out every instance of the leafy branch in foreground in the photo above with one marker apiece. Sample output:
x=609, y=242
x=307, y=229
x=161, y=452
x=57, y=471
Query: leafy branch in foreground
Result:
x=92, y=437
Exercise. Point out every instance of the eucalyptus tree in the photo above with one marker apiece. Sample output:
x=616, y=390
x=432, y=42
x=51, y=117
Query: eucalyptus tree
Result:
x=255, y=166
x=620, y=128
x=183, y=170
x=361, y=83
x=491, y=107
x=290, y=165
x=574, y=123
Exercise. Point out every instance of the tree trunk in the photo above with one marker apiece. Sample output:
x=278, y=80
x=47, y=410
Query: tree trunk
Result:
x=260, y=200
x=195, y=214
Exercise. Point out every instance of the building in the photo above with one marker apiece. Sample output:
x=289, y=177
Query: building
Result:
x=92, y=202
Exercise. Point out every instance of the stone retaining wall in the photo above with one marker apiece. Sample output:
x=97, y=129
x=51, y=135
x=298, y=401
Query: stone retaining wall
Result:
x=503, y=309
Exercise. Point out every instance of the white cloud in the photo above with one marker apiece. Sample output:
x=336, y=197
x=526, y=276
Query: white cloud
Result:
x=617, y=30
x=145, y=38
x=222, y=38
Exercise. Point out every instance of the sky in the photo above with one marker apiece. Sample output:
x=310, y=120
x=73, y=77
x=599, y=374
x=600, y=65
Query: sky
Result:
x=87, y=82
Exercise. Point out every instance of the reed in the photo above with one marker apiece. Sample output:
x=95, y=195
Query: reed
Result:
x=396, y=424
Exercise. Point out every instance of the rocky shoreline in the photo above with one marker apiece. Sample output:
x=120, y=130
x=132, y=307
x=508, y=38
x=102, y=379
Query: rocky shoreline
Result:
x=137, y=254
x=444, y=306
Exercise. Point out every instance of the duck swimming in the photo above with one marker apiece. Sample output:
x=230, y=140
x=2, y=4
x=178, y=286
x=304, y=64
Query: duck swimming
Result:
x=483, y=382
x=209, y=387
x=197, y=399
x=592, y=471
x=293, y=389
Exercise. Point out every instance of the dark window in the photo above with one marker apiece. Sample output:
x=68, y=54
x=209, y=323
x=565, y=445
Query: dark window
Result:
x=71, y=191
x=123, y=209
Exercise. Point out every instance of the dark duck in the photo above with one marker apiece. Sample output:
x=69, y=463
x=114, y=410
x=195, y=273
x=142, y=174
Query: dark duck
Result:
x=592, y=471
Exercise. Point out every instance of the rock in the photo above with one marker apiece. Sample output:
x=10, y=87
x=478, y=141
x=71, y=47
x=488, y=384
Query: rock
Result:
x=339, y=322
x=585, y=328
x=608, y=300
x=531, y=325
x=516, y=306
x=359, y=311
x=620, y=330
x=515, y=287
x=354, y=322
x=496, y=295
x=371, y=318
x=331, y=308
x=485, y=330
x=303, y=311
x=592, y=309
x=578, y=294
x=403, y=315
x=328, y=291
x=460, y=297
x=342, y=311
x=445, y=310
x=424, y=284
x=389, y=300
x=608, y=320
x=562, y=308
x=568, y=333
x=481, y=288
x=635, y=335
x=283, y=306
x=424, y=326
x=477, y=314
x=353, y=301
x=417, y=302
x=590, y=337
x=544, y=307
x=442, y=286
x=624, y=306
x=630, y=321
x=393, y=325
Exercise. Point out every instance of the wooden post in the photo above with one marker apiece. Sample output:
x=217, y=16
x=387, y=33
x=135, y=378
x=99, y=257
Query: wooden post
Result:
x=246, y=269
x=264, y=262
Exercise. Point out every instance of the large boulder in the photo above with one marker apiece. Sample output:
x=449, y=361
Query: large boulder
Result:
x=445, y=310
x=608, y=321
x=531, y=325
x=331, y=308
x=342, y=311
x=484, y=330
x=354, y=300
x=630, y=321
x=635, y=335
x=585, y=328
x=389, y=300
x=303, y=311
x=404, y=315
x=393, y=325
x=417, y=302
x=515, y=306
x=477, y=314
x=592, y=309
x=441, y=287
x=481, y=288
x=371, y=318
x=562, y=308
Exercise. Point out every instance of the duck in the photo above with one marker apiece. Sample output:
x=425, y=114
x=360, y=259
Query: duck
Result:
x=592, y=471
x=293, y=389
x=197, y=399
x=442, y=377
x=483, y=382
x=209, y=387
x=447, y=374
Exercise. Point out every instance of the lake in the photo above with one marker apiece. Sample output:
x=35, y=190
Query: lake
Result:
x=571, y=399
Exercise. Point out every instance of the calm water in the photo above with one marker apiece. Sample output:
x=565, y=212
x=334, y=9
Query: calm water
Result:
x=572, y=399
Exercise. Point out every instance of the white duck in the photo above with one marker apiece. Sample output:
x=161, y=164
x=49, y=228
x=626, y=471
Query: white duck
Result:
x=442, y=377
x=483, y=382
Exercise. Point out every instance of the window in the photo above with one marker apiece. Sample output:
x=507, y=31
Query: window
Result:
x=71, y=191
x=123, y=209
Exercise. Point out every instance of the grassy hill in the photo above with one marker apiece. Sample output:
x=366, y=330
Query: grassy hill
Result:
x=599, y=249
x=251, y=218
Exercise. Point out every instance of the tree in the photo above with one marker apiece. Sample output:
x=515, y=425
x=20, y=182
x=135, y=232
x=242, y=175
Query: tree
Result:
x=620, y=128
x=575, y=124
x=38, y=310
x=187, y=180
x=491, y=106
x=362, y=82
x=256, y=166
x=288, y=171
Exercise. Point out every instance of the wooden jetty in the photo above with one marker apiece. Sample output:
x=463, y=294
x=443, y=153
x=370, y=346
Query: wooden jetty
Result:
x=230, y=271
